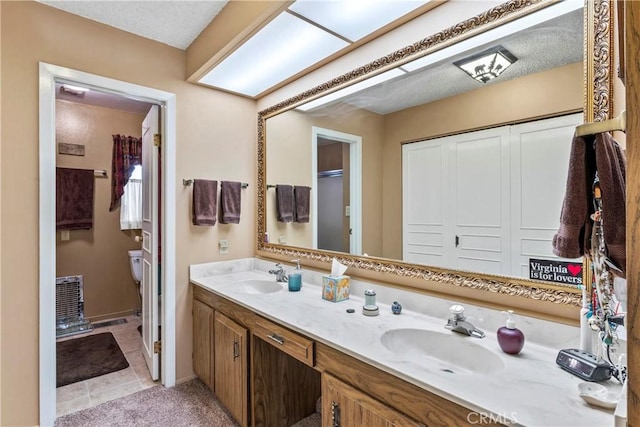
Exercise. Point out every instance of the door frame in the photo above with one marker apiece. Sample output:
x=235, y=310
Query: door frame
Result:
x=48, y=75
x=355, y=184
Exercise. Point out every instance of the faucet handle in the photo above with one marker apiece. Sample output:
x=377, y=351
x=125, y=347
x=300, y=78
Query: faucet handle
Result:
x=457, y=311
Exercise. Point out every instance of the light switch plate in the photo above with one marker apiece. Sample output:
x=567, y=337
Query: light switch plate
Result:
x=347, y=211
x=65, y=235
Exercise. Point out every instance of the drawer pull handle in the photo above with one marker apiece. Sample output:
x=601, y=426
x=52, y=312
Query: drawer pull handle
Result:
x=236, y=350
x=276, y=338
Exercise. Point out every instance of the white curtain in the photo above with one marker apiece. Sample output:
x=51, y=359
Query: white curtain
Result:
x=131, y=205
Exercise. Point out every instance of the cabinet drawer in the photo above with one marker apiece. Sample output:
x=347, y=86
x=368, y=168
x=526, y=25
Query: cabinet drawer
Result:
x=289, y=342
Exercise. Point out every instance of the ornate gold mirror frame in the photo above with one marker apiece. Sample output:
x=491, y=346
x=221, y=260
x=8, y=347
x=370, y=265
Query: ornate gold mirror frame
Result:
x=598, y=66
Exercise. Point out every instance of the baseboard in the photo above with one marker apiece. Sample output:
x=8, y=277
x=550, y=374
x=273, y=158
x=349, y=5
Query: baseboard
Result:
x=186, y=379
x=110, y=316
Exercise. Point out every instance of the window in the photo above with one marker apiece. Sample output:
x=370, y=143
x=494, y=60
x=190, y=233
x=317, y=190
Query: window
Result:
x=131, y=202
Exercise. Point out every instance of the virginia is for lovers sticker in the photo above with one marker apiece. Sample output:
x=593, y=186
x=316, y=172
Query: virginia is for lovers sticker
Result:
x=568, y=273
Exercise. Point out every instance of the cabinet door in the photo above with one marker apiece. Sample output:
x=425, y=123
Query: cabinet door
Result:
x=203, y=349
x=345, y=406
x=230, y=366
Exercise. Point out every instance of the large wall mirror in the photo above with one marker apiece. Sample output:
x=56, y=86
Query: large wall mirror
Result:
x=422, y=169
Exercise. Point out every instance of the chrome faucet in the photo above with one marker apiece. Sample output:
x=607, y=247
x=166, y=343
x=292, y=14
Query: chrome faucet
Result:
x=281, y=275
x=457, y=323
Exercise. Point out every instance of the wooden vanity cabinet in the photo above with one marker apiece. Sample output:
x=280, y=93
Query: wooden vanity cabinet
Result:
x=275, y=378
x=345, y=406
x=203, y=345
x=230, y=366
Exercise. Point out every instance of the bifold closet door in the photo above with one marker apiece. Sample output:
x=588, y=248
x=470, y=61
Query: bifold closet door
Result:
x=479, y=185
x=539, y=165
x=425, y=201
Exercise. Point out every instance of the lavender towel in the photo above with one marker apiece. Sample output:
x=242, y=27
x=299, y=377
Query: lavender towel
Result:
x=205, y=195
x=230, y=196
x=74, y=199
x=284, y=202
x=302, y=196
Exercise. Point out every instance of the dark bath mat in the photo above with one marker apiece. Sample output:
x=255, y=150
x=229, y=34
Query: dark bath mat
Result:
x=82, y=358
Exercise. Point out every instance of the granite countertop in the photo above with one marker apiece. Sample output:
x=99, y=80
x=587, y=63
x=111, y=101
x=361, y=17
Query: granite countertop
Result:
x=527, y=389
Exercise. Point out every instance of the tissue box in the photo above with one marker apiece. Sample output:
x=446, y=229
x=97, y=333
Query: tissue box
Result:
x=335, y=288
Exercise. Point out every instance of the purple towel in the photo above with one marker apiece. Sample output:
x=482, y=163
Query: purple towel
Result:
x=74, y=199
x=205, y=195
x=302, y=196
x=284, y=202
x=230, y=196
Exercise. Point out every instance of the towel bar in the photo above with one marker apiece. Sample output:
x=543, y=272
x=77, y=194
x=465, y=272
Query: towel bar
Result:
x=188, y=182
x=271, y=186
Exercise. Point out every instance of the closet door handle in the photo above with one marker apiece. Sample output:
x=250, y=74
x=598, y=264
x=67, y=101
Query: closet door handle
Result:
x=457, y=241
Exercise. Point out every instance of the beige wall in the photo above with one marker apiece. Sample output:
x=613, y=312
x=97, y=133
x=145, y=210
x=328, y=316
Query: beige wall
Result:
x=291, y=163
x=99, y=254
x=543, y=94
x=215, y=139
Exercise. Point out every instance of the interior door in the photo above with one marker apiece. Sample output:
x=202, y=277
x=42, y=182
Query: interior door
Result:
x=150, y=243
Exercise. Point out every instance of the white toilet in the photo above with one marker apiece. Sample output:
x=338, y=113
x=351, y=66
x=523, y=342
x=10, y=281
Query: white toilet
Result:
x=135, y=264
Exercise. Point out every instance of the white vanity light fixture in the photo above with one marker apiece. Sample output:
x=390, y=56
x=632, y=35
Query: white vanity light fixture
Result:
x=487, y=65
x=279, y=50
x=301, y=36
x=354, y=19
x=333, y=96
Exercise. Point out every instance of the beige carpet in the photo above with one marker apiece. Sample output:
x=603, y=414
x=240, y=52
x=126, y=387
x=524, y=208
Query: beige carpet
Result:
x=188, y=404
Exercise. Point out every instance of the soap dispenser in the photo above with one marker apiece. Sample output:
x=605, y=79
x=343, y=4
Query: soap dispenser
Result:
x=510, y=338
x=295, y=277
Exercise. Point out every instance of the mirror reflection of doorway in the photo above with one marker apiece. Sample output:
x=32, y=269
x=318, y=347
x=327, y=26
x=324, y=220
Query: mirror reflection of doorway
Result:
x=333, y=195
x=336, y=191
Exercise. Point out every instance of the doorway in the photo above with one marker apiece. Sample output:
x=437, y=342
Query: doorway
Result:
x=49, y=75
x=337, y=196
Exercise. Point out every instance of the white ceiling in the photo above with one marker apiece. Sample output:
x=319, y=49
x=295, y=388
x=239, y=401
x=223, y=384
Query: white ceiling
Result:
x=552, y=44
x=173, y=22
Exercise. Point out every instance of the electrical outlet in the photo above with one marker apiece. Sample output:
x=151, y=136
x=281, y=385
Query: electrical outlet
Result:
x=65, y=235
x=282, y=240
x=347, y=211
x=224, y=246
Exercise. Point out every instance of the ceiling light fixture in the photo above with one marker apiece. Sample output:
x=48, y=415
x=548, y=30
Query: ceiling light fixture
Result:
x=487, y=65
x=333, y=96
x=73, y=90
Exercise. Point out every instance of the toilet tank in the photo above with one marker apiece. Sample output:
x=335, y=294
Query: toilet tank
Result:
x=135, y=264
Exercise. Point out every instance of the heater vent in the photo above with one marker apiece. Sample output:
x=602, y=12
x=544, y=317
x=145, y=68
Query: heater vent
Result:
x=70, y=306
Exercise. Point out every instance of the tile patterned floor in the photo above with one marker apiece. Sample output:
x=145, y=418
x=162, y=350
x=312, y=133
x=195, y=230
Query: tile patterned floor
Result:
x=94, y=391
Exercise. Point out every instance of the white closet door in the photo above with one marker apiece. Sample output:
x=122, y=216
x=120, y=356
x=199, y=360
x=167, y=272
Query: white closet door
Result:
x=479, y=187
x=540, y=160
x=425, y=202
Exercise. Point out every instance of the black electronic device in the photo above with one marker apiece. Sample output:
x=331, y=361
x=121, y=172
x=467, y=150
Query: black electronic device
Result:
x=584, y=365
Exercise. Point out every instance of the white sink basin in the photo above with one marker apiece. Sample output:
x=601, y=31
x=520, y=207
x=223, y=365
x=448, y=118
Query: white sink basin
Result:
x=256, y=286
x=449, y=351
